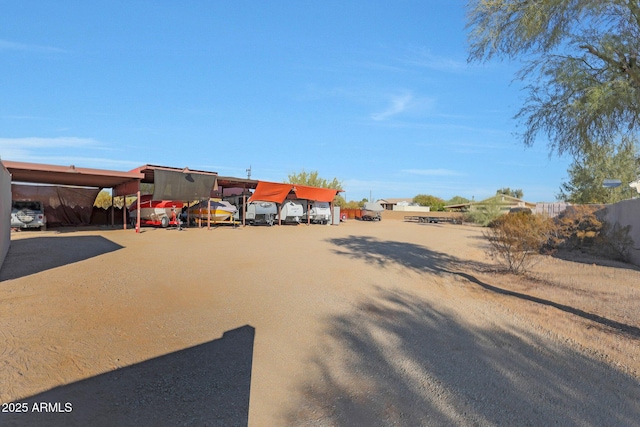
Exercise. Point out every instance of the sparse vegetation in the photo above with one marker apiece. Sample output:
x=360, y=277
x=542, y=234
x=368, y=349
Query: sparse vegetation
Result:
x=484, y=214
x=515, y=239
x=580, y=228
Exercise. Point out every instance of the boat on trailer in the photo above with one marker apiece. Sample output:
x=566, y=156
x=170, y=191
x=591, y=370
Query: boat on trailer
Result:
x=371, y=211
x=215, y=209
x=161, y=213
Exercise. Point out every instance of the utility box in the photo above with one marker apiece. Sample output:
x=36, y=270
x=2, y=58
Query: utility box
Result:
x=335, y=219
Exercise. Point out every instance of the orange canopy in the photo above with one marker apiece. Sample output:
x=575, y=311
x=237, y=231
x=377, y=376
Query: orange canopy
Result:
x=277, y=192
x=271, y=192
x=315, y=193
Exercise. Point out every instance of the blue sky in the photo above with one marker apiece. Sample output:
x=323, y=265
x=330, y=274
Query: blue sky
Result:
x=378, y=94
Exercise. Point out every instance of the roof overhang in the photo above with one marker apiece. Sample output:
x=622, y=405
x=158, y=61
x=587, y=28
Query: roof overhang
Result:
x=68, y=175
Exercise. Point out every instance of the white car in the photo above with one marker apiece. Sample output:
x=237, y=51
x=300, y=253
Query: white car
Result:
x=28, y=214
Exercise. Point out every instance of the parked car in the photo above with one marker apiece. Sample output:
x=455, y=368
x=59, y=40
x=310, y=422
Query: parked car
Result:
x=28, y=214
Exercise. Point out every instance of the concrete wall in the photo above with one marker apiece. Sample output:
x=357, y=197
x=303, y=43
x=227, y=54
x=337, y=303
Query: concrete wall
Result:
x=626, y=213
x=5, y=212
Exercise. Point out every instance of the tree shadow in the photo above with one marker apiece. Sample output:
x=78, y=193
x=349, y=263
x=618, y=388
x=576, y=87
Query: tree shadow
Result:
x=422, y=259
x=33, y=255
x=399, y=360
x=208, y=384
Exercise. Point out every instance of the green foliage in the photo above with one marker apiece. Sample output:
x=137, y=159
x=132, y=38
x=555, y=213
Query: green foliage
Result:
x=457, y=200
x=580, y=65
x=436, y=203
x=597, y=163
x=515, y=239
x=312, y=179
x=518, y=194
x=103, y=200
x=340, y=201
x=484, y=214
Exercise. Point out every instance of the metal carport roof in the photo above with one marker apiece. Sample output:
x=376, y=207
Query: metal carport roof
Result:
x=68, y=175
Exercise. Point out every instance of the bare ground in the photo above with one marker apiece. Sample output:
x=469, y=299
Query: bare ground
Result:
x=386, y=323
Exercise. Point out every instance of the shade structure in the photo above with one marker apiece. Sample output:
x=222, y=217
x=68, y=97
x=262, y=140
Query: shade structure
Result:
x=271, y=192
x=277, y=192
x=315, y=193
x=188, y=185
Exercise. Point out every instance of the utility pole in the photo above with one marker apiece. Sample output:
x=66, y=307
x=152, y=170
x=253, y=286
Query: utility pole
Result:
x=249, y=172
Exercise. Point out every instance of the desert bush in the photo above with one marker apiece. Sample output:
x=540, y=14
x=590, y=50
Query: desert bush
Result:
x=580, y=228
x=515, y=239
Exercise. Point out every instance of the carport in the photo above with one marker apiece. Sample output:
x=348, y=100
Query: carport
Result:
x=172, y=184
x=169, y=183
x=230, y=186
x=278, y=192
x=37, y=173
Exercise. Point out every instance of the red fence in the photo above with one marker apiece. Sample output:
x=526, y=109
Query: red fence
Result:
x=351, y=213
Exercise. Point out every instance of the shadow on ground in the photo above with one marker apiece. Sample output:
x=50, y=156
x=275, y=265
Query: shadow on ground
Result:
x=208, y=384
x=400, y=361
x=36, y=254
x=419, y=258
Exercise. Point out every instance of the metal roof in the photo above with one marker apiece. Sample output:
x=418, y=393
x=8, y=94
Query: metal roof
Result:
x=68, y=175
x=148, y=171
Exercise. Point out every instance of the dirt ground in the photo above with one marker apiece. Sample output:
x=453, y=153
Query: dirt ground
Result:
x=365, y=323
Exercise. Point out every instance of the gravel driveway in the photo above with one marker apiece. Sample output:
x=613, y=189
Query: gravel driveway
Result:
x=371, y=324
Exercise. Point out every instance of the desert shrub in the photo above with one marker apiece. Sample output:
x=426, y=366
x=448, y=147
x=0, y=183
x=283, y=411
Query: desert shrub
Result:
x=580, y=228
x=515, y=239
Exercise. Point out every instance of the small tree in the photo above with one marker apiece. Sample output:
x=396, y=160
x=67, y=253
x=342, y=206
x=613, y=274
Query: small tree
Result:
x=518, y=194
x=515, y=239
x=597, y=163
x=435, y=203
x=312, y=179
x=457, y=200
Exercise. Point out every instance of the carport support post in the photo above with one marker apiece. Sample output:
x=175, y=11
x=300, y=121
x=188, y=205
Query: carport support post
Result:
x=209, y=214
x=244, y=206
x=279, y=214
x=308, y=212
x=138, y=212
x=331, y=213
x=113, y=219
x=124, y=212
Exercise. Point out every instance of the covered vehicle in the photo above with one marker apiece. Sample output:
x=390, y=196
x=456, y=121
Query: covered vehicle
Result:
x=261, y=212
x=155, y=212
x=371, y=211
x=28, y=214
x=291, y=211
x=319, y=212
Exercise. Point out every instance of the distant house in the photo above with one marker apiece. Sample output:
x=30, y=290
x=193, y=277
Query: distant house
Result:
x=388, y=204
x=505, y=202
x=403, y=205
